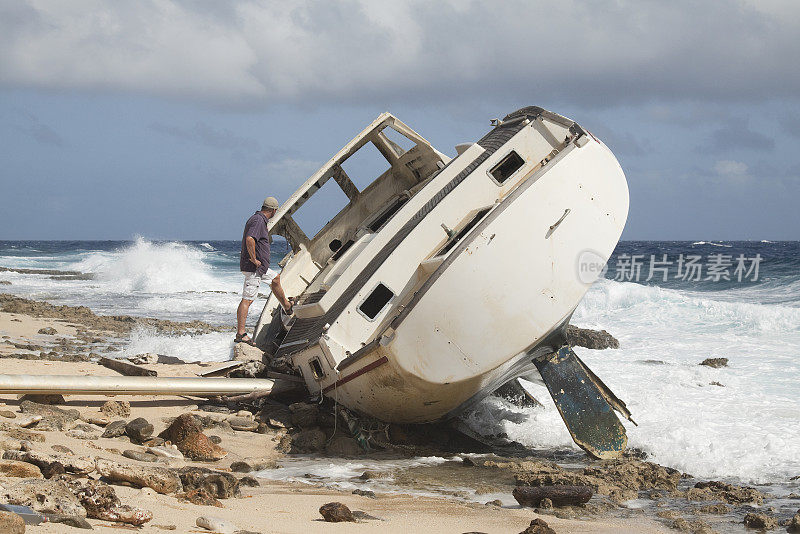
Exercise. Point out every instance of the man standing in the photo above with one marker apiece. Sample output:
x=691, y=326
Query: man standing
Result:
x=254, y=264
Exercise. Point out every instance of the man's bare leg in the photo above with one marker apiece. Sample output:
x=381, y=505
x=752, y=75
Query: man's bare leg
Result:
x=277, y=290
x=241, y=315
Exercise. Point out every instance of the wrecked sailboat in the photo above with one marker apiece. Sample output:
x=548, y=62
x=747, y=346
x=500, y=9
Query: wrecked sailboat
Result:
x=443, y=279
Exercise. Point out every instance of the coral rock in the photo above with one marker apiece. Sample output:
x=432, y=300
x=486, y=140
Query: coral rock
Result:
x=336, y=512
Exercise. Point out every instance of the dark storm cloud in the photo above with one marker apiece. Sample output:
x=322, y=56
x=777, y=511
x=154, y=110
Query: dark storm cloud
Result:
x=247, y=53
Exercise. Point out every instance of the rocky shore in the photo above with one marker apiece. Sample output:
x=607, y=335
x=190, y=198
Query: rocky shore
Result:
x=181, y=464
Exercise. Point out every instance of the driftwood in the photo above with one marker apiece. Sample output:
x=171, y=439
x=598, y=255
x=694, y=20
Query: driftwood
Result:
x=125, y=368
x=559, y=495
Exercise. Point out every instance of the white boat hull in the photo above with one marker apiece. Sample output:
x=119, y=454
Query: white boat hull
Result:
x=479, y=267
x=510, y=288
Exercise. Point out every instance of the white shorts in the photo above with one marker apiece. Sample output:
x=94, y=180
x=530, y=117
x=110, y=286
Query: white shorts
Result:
x=252, y=281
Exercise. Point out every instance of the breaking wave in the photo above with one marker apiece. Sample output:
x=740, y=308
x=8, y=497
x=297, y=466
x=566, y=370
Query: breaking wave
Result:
x=736, y=421
x=210, y=347
x=149, y=267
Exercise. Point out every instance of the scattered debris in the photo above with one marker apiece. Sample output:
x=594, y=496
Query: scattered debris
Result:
x=125, y=368
x=215, y=524
x=101, y=502
x=139, y=456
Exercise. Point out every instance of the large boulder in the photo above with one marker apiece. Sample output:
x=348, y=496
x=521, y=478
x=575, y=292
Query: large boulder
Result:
x=304, y=414
x=794, y=523
x=343, y=446
x=336, y=512
x=70, y=463
x=538, y=526
x=114, y=429
x=11, y=523
x=248, y=465
x=308, y=441
x=17, y=469
x=139, y=430
x=244, y=352
x=715, y=490
x=218, y=484
x=45, y=496
x=591, y=339
x=716, y=363
x=53, y=417
x=160, y=479
x=116, y=408
x=760, y=521
x=187, y=434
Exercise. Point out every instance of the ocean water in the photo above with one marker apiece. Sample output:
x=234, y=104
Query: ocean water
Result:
x=740, y=422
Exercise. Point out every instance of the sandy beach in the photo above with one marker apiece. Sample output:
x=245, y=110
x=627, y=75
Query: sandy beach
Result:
x=272, y=506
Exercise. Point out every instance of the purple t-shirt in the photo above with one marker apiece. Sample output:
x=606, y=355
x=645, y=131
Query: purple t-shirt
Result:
x=255, y=227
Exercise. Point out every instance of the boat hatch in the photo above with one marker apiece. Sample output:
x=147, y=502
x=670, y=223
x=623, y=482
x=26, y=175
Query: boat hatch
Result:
x=376, y=301
x=507, y=167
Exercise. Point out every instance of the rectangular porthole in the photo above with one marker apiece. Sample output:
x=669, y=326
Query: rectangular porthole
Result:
x=376, y=301
x=316, y=369
x=507, y=166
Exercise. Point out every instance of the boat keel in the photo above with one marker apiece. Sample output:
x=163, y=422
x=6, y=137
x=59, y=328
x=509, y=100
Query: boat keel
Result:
x=586, y=404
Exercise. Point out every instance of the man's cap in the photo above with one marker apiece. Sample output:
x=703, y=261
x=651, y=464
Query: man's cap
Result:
x=270, y=203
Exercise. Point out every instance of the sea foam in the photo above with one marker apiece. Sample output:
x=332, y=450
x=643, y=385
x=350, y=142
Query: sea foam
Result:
x=738, y=421
x=151, y=267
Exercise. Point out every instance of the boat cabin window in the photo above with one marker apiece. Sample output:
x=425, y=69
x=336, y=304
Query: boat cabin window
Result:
x=464, y=231
x=341, y=249
x=365, y=165
x=316, y=369
x=376, y=301
x=398, y=141
x=322, y=206
x=507, y=166
x=383, y=217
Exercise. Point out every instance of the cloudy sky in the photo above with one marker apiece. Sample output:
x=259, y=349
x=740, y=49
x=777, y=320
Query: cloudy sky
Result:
x=173, y=119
